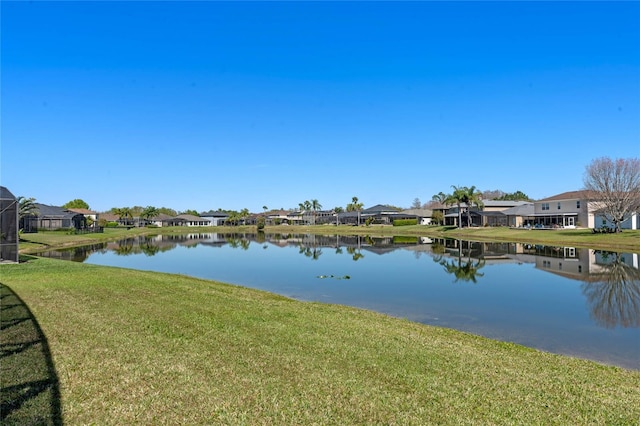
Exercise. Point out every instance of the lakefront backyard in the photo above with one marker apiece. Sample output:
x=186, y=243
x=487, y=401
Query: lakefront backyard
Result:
x=97, y=344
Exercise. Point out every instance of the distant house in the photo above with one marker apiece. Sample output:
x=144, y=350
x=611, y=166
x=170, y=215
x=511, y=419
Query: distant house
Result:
x=191, y=220
x=162, y=220
x=276, y=217
x=423, y=215
x=9, y=211
x=378, y=214
x=52, y=218
x=214, y=218
x=520, y=216
x=577, y=209
x=492, y=213
x=89, y=214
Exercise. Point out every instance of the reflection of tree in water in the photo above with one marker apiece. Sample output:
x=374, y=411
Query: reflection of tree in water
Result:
x=125, y=248
x=355, y=253
x=615, y=299
x=312, y=252
x=238, y=242
x=149, y=249
x=465, y=270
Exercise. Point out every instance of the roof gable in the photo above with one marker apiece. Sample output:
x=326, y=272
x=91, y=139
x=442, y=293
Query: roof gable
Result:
x=574, y=195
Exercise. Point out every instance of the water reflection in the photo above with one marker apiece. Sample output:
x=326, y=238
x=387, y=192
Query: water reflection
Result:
x=465, y=269
x=611, y=280
x=614, y=293
x=511, y=298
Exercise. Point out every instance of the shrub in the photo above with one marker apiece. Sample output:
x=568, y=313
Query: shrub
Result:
x=112, y=224
x=405, y=222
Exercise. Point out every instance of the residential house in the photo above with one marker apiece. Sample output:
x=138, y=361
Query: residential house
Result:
x=277, y=217
x=576, y=209
x=377, y=214
x=214, y=218
x=492, y=213
x=191, y=220
x=520, y=216
x=164, y=220
x=423, y=215
x=52, y=218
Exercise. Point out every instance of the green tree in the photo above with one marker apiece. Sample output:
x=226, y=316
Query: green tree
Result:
x=167, y=211
x=149, y=212
x=244, y=214
x=26, y=207
x=458, y=197
x=191, y=212
x=76, y=204
x=315, y=206
x=440, y=198
x=472, y=197
x=438, y=217
x=233, y=218
x=124, y=213
x=355, y=206
x=515, y=196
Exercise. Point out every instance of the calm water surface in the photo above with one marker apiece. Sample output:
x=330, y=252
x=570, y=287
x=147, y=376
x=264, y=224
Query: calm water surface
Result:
x=578, y=302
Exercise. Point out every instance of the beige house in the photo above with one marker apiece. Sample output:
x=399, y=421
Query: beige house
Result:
x=575, y=209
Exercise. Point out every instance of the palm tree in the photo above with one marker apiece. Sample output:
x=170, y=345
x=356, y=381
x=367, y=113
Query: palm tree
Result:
x=472, y=197
x=244, y=214
x=440, y=197
x=149, y=212
x=355, y=206
x=124, y=213
x=233, y=218
x=315, y=206
x=458, y=197
x=26, y=207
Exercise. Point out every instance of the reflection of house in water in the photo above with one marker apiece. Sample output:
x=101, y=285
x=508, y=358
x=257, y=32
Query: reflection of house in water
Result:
x=577, y=263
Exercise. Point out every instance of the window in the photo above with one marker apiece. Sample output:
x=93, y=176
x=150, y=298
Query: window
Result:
x=578, y=204
x=545, y=206
x=558, y=205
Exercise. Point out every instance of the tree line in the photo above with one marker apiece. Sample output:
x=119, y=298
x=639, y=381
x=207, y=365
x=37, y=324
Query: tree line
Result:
x=615, y=184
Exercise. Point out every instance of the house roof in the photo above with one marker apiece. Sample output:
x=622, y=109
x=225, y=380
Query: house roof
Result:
x=189, y=217
x=45, y=210
x=214, y=214
x=5, y=194
x=82, y=211
x=503, y=203
x=523, y=210
x=161, y=217
x=380, y=208
x=573, y=195
x=418, y=212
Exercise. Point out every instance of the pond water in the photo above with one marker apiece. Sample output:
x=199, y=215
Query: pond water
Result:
x=578, y=302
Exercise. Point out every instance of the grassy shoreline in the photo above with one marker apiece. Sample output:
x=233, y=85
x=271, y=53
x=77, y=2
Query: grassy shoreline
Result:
x=628, y=240
x=136, y=347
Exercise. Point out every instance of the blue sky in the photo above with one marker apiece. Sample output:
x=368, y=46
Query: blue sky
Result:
x=207, y=105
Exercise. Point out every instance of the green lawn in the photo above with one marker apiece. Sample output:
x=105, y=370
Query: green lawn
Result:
x=130, y=347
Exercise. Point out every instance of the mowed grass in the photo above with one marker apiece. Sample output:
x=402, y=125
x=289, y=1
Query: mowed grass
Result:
x=133, y=347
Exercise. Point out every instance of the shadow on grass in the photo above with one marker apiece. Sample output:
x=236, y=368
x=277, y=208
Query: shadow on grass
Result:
x=30, y=389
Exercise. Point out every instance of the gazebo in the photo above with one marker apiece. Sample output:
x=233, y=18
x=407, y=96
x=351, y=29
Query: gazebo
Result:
x=8, y=226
